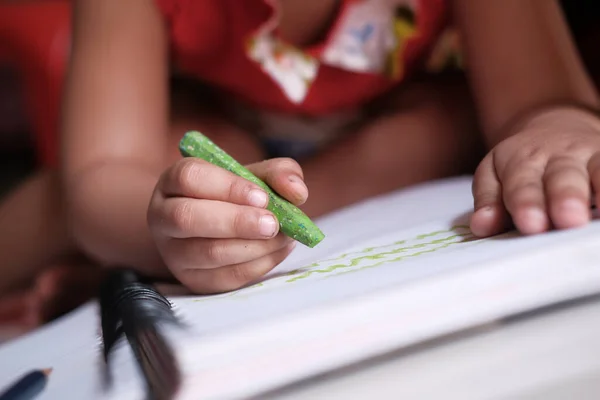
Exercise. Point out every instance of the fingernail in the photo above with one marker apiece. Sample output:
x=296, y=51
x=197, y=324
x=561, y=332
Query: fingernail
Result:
x=258, y=198
x=535, y=219
x=575, y=211
x=574, y=205
x=267, y=225
x=299, y=186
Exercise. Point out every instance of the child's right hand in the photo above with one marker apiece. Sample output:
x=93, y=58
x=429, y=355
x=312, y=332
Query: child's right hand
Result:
x=212, y=228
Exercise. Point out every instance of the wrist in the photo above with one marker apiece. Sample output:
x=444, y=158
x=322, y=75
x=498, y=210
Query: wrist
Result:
x=555, y=115
x=106, y=208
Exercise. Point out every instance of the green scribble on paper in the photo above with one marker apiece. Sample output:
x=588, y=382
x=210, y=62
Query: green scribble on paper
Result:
x=356, y=258
x=344, y=263
x=392, y=260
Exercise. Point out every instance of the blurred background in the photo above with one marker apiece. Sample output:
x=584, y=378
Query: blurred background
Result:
x=32, y=49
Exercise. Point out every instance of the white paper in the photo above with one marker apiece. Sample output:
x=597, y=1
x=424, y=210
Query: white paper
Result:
x=405, y=264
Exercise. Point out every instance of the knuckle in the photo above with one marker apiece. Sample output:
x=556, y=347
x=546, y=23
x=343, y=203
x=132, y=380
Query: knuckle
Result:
x=523, y=187
x=242, y=221
x=239, y=188
x=533, y=155
x=188, y=173
x=215, y=252
x=567, y=174
x=577, y=147
x=239, y=275
x=561, y=167
x=182, y=216
x=483, y=199
x=283, y=164
x=526, y=192
x=561, y=160
x=231, y=190
x=288, y=163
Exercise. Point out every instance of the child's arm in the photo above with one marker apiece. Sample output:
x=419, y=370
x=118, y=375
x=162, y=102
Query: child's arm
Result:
x=114, y=127
x=520, y=57
x=532, y=93
x=116, y=148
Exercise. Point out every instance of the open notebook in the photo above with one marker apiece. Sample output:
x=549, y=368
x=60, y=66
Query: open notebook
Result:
x=392, y=272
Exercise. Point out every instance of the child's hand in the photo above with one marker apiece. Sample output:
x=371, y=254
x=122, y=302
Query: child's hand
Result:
x=543, y=176
x=211, y=226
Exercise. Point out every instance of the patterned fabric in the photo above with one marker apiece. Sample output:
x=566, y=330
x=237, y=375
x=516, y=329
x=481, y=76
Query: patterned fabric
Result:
x=371, y=47
x=369, y=37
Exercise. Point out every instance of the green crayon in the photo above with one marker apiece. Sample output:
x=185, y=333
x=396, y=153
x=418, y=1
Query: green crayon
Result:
x=293, y=222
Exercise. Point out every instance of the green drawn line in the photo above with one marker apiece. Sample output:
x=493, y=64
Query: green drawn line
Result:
x=403, y=257
x=370, y=249
x=243, y=296
x=355, y=261
x=308, y=270
x=342, y=256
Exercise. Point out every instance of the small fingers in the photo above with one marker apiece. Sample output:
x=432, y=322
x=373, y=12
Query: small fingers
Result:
x=567, y=186
x=180, y=217
x=285, y=176
x=234, y=276
x=199, y=253
x=489, y=216
x=524, y=196
x=199, y=179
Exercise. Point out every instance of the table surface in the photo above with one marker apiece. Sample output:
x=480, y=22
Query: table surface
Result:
x=550, y=355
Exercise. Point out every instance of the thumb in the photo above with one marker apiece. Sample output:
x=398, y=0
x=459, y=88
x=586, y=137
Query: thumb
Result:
x=283, y=175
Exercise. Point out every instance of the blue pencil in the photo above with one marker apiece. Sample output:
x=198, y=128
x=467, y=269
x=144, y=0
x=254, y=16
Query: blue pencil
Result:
x=27, y=387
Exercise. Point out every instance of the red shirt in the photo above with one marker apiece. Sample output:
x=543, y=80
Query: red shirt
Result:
x=209, y=40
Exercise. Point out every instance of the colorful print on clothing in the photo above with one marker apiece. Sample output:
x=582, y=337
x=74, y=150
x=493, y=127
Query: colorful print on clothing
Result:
x=404, y=29
x=447, y=52
x=369, y=37
x=291, y=68
x=365, y=36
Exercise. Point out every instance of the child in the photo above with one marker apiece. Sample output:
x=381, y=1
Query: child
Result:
x=339, y=85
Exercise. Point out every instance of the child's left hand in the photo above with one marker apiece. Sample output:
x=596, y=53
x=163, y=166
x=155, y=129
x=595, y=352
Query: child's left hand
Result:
x=541, y=177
